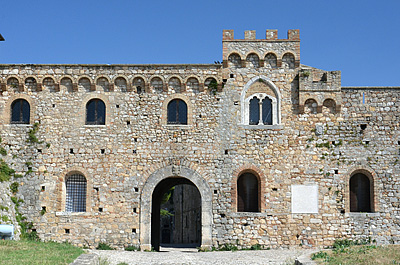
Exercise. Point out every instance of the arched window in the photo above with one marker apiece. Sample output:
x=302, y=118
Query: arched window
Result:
x=20, y=111
x=76, y=193
x=263, y=115
x=192, y=84
x=157, y=84
x=360, y=193
x=31, y=84
x=95, y=112
x=177, y=112
x=13, y=84
x=247, y=197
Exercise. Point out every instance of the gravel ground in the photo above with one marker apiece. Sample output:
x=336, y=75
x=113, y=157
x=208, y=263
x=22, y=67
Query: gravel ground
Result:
x=191, y=256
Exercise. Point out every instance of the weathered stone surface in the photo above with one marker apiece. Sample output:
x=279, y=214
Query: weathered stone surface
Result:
x=321, y=135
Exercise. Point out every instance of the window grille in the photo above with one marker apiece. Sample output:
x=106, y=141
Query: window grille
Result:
x=20, y=111
x=95, y=112
x=76, y=193
x=177, y=112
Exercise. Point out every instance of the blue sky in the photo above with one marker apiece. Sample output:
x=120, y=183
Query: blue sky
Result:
x=360, y=38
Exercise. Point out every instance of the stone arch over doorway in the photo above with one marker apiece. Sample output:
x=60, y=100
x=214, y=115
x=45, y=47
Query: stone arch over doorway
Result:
x=178, y=172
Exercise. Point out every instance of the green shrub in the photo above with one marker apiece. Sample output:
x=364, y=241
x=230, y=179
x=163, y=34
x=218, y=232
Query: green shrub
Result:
x=132, y=248
x=32, y=133
x=5, y=171
x=3, y=208
x=104, y=246
x=319, y=255
x=14, y=187
x=3, y=151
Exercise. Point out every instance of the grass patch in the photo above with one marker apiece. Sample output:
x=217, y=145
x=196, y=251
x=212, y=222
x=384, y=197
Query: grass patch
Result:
x=34, y=252
x=359, y=254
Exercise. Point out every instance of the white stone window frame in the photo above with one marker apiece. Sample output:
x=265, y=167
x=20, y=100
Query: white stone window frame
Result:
x=276, y=105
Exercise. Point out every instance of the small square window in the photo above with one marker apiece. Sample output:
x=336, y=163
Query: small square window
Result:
x=134, y=210
x=133, y=230
x=135, y=140
x=39, y=150
x=231, y=76
x=136, y=189
x=103, y=151
x=226, y=152
x=128, y=122
x=117, y=106
x=215, y=191
x=134, y=151
x=67, y=231
x=54, y=105
x=336, y=171
x=71, y=151
x=43, y=188
x=100, y=210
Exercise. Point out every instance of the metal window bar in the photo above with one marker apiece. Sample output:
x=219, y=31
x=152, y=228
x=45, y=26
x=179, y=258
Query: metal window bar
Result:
x=76, y=193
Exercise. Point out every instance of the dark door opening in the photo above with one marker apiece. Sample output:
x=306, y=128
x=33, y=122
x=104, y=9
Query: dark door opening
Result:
x=176, y=214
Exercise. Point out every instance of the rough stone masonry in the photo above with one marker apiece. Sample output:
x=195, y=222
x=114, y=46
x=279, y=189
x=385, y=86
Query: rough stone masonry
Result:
x=281, y=154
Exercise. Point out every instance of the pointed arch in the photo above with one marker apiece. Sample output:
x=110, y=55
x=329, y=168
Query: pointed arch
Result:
x=274, y=98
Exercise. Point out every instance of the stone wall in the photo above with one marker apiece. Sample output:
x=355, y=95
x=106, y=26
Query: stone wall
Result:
x=358, y=133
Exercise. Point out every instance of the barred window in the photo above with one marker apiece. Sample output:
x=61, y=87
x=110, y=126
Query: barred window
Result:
x=177, y=112
x=76, y=193
x=20, y=111
x=95, y=112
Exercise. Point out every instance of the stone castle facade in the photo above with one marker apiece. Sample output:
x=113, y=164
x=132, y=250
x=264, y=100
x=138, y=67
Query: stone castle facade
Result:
x=280, y=152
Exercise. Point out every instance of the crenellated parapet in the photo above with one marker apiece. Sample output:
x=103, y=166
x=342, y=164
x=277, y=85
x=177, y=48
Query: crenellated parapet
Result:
x=319, y=89
x=270, y=52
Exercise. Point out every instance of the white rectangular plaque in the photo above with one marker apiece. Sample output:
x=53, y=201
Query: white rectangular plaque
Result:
x=304, y=199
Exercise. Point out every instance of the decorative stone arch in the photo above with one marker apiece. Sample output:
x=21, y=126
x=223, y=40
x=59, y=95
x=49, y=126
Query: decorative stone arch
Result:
x=62, y=192
x=6, y=117
x=164, y=109
x=145, y=86
x=34, y=87
x=253, y=63
x=56, y=87
x=204, y=81
x=63, y=88
x=248, y=168
x=276, y=101
x=21, y=84
x=311, y=106
x=330, y=104
x=91, y=84
x=182, y=86
x=146, y=202
x=235, y=60
x=372, y=176
x=110, y=86
x=86, y=99
x=200, y=87
x=162, y=80
x=269, y=62
x=289, y=58
x=128, y=87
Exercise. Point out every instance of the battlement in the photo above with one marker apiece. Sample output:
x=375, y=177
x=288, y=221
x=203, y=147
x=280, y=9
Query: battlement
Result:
x=270, y=52
x=270, y=35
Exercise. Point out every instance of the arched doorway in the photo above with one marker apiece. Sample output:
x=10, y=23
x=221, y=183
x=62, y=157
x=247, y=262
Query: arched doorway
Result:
x=178, y=175
x=176, y=214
